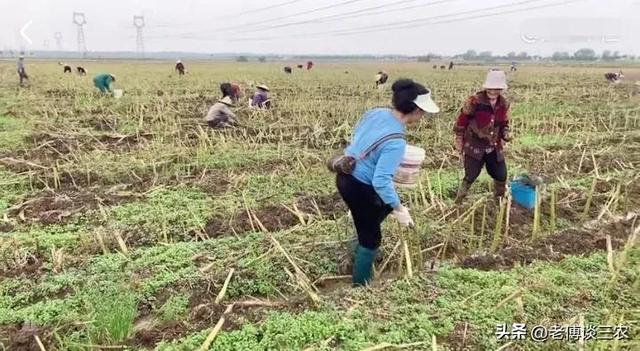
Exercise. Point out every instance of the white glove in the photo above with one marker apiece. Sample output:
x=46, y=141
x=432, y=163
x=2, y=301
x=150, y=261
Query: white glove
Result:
x=403, y=216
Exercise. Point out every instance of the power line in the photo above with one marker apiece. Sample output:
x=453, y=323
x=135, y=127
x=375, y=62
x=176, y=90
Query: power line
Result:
x=352, y=14
x=306, y=12
x=417, y=22
x=382, y=26
x=238, y=14
x=404, y=26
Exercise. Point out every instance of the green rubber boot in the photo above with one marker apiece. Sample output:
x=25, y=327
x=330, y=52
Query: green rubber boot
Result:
x=363, y=265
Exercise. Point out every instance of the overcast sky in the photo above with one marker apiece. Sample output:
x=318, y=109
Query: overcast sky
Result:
x=342, y=27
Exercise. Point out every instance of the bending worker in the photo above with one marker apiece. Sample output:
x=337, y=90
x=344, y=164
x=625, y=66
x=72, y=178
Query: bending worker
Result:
x=368, y=190
x=220, y=115
x=103, y=82
x=261, y=97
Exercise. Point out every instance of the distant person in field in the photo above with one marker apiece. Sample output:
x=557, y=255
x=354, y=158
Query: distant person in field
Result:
x=67, y=69
x=381, y=79
x=513, y=67
x=261, y=97
x=451, y=65
x=481, y=130
x=232, y=90
x=22, y=72
x=104, y=81
x=368, y=189
x=81, y=71
x=180, y=67
x=613, y=77
x=220, y=114
x=300, y=66
x=288, y=70
x=309, y=65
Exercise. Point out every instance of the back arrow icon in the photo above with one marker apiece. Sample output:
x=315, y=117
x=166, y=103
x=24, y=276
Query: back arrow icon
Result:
x=24, y=35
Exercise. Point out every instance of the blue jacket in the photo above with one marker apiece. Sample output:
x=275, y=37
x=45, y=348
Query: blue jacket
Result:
x=379, y=167
x=103, y=82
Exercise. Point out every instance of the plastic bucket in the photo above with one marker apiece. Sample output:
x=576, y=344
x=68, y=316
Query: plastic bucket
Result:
x=408, y=174
x=118, y=93
x=523, y=194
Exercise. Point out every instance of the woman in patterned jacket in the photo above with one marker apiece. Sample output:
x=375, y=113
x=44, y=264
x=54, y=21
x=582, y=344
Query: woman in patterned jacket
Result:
x=481, y=130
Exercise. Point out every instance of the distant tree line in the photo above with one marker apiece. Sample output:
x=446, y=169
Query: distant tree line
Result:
x=584, y=54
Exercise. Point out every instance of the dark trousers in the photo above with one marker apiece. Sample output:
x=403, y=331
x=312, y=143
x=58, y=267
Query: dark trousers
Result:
x=23, y=76
x=367, y=209
x=496, y=169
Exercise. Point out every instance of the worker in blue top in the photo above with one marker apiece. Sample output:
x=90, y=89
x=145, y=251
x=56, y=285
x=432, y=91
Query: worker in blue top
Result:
x=103, y=82
x=369, y=191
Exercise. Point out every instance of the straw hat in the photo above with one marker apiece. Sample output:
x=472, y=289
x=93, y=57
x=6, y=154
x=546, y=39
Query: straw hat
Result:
x=426, y=104
x=226, y=100
x=263, y=87
x=495, y=80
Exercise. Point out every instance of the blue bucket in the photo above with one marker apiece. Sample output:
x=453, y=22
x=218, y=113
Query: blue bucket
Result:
x=523, y=194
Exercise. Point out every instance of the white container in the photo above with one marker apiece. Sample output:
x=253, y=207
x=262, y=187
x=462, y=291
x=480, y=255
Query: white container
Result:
x=118, y=93
x=408, y=174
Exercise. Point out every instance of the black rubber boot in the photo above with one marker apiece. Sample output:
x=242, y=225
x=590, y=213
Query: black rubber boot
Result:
x=499, y=188
x=463, y=190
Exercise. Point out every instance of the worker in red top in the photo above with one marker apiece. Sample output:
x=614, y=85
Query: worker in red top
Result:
x=481, y=130
x=309, y=65
x=233, y=90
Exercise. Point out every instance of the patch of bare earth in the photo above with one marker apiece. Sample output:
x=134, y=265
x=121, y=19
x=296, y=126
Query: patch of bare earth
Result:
x=573, y=241
x=49, y=207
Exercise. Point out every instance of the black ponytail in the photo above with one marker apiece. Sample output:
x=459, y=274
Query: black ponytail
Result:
x=405, y=91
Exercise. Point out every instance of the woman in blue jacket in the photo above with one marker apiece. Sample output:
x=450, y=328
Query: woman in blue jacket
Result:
x=103, y=82
x=369, y=191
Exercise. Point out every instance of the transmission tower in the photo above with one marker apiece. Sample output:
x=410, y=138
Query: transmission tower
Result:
x=138, y=22
x=58, y=37
x=80, y=21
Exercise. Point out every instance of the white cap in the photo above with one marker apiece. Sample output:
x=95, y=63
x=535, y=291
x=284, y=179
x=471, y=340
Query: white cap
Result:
x=495, y=80
x=426, y=104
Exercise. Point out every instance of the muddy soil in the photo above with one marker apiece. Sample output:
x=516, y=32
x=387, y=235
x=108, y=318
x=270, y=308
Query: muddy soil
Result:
x=272, y=217
x=275, y=218
x=30, y=266
x=49, y=207
x=204, y=314
x=331, y=206
x=22, y=337
x=574, y=241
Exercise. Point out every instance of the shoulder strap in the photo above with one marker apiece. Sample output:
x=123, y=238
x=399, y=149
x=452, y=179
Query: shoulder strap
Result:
x=379, y=142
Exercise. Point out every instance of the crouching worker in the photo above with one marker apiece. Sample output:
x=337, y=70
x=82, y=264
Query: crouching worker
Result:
x=220, y=115
x=481, y=130
x=381, y=79
x=232, y=90
x=103, y=82
x=367, y=188
x=261, y=97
